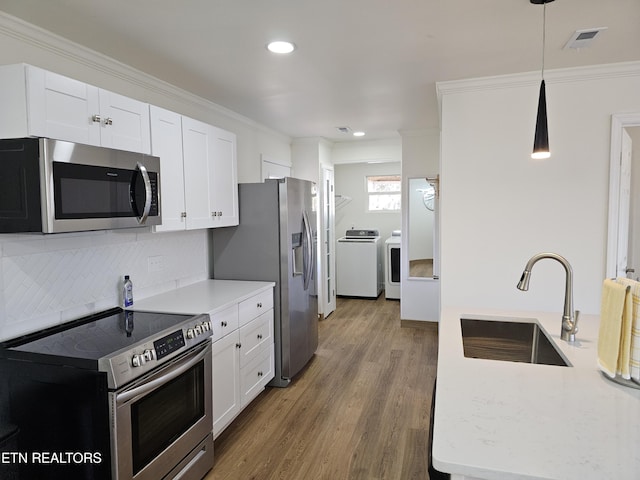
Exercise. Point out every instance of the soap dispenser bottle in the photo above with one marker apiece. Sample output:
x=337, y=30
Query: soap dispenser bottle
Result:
x=127, y=292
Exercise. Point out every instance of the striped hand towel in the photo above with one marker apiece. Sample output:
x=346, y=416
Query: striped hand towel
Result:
x=634, y=348
x=611, y=310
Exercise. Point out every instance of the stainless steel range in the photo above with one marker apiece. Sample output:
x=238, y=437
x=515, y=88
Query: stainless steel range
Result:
x=117, y=395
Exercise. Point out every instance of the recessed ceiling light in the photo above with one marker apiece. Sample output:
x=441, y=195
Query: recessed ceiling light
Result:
x=281, y=47
x=358, y=134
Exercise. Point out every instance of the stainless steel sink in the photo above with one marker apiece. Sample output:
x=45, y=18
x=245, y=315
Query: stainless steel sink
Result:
x=509, y=340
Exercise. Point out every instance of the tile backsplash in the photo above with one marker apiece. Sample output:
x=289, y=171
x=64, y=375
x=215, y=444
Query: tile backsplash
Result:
x=48, y=279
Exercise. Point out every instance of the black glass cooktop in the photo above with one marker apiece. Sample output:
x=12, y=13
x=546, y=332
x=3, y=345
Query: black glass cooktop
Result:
x=84, y=341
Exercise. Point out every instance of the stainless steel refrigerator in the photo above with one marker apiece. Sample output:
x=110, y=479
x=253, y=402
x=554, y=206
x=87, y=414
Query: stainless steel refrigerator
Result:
x=277, y=241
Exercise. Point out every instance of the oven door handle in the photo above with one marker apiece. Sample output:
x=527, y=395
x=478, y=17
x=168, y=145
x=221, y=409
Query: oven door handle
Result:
x=151, y=385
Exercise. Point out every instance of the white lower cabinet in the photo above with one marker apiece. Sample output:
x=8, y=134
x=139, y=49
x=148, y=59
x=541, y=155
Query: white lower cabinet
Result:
x=226, y=382
x=243, y=356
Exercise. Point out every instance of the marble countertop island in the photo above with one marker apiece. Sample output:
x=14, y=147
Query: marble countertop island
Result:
x=506, y=420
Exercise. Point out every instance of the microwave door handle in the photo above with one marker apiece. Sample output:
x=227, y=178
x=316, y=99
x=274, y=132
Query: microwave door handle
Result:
x=147, y=193
x=165, y=377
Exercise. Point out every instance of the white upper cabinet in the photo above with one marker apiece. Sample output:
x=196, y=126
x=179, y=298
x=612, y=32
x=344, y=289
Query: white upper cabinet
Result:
x=124, y=123
x=198, y=165
x=224, y=182
x=62, y=108
x=199, y=187
x=44, y=104
x=197, y=147
x=166, y=143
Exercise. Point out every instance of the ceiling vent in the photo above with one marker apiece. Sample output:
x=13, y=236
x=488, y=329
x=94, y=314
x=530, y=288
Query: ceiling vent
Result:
x=583, y=38
x=344, y=129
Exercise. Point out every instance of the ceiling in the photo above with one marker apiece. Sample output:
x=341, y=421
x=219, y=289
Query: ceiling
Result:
x=370, y=65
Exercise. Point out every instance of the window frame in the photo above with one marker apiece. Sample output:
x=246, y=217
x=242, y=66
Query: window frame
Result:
x=397, y=178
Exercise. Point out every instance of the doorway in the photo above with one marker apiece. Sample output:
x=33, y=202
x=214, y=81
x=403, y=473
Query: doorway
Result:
x=623, y=255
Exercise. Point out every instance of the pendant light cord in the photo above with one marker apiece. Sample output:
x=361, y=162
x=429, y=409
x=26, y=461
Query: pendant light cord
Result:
x=544, y=33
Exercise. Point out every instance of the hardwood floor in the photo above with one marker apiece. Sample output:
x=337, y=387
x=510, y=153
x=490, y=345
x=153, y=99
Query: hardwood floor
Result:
x=360, y=409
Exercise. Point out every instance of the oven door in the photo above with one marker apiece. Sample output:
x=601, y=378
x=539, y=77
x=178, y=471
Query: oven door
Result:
x=164, y=419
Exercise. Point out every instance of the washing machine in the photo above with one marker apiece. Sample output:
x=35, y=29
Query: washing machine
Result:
x=359, y=264
x=392, y=266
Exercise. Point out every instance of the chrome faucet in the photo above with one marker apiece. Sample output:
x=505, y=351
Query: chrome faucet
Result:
x=569, y=318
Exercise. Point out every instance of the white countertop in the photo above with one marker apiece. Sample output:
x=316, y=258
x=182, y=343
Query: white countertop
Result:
x=507, y=420
x=208, y=296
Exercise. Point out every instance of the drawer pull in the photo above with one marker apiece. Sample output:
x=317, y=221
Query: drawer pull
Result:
x=259, y=336
x=223, y=323
x=259, y=305
x=260, y=374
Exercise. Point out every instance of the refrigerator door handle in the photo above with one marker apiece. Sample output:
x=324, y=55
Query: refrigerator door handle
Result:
x=308, y=259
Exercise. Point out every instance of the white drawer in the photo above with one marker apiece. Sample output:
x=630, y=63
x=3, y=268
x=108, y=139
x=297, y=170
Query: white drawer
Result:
x=255, y=336
x=256, y=375
x=255, y=306
x=224, y=322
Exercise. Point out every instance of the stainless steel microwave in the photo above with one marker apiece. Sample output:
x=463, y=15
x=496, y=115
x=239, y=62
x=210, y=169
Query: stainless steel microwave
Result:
x=51, y=186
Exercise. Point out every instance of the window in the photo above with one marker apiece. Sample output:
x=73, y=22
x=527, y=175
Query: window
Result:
x=384, y=193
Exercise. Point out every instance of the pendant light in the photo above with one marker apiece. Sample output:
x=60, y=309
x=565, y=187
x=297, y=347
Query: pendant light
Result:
x=541, y=138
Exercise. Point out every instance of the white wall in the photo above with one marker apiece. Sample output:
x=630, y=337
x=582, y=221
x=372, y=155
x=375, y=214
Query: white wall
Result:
x=358, y=151
x=48, y=279
x=419, y=297
x=350, y=180
x=499, y=207
x=45, y=280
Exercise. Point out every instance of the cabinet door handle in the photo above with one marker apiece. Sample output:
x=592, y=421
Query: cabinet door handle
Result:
x=259, y=336
x=183, y=215
x=260, y=374
x=108, y=121
x=224, y=324
x=259, y=305
x=238, y=345
x=96, y=118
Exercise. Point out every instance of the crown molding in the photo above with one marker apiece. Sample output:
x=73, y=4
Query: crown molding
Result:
x=59, y=46
x=563, y=75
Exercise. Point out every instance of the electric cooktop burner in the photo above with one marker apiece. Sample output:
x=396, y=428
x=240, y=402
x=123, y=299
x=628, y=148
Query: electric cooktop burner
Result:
x=104, y=336
x=113, y=341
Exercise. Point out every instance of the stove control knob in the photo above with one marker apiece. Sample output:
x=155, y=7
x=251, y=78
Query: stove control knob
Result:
x=149, y=355
x=138, y=360
x=190, y=333
x=198, y=329
x=206, y=326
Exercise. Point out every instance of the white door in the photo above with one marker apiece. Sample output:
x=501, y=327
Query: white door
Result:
x=328, y=243
x=62, y=108
x=197, y=154
x=125, y=123
x=223, y=181
x=624, y=206
x=166, y=143
x=226, y=381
